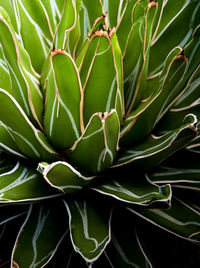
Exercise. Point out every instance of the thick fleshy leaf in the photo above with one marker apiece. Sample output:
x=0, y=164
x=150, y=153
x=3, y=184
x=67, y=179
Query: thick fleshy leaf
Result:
x=21, y=183
x=28, y=139
x=101, y=64
x=66, y=24
x=136, y=189
x=89, y=228
x=5, y=81
x=99, y=142
x=41, y=233
x=148, y=110
x=33, y=21
x=181, y=219
x=25, y=82
x=155, y=149
x=63, y=176
x=136, y=52
x=63, y=113
x=181, y=15
x=54, y=9
x=7, y=142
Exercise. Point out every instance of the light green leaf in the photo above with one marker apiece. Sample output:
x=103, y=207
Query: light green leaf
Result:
x=156, y=148
x=67, y=23
x=25, y=82
x=21, y=183
x=99, y=142
x=181, y=15
x=63, y=176
x=148, y=111
x=102, y=65
x=63, y=113
x=7, y=142
x=33, y=19
x=89, y=228
x=5, y=81
x=41, y=233
x=28, y=139
x=139, y=190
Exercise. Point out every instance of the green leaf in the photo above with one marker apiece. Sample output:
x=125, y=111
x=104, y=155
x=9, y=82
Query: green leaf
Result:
x=43, y=222
x=63, y=177
x=25, y=82
x=28, y=139
x=102, y=65
x=5, y=81
x=149, y=110
x=8, y=6
x=137, y=189
x=181, y=219
x=156, y=148
x=33, y=19
x=66, y=24
x=92, y=10
x=63, y=113
x=99, y=142
x=7, y=142
x=182, y=15
x=21, y=183
x=89, y=228
x=54, y=9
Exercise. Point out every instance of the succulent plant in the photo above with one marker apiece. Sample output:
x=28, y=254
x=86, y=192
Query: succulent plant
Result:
x=99, y=141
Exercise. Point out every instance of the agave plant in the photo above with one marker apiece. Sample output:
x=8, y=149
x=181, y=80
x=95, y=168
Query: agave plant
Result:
x=99, y=107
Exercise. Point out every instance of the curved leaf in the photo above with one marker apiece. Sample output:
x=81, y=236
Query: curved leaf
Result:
x=102, y=65
x=181, y=219
x=155, y=149
x=33, y=19
x=21, y=183
x=25, y=82
x=99, y=142
x=63, y=176
x=89, y=229
x=7, y=142
x=63, y=113
x=185, y=20
x=27, y=138
x=139, y=190
x=67, y=23
x=5, y=81
x=42, y=222
x=149, y=109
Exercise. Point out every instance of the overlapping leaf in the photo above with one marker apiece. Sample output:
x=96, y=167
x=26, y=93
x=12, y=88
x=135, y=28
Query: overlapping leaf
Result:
x=25, y=82
x=63, y=113
x=101, y=137
x=36, y=239
x=64, y=177
x=181, y=220
x=134, y=189
x=155, y=149
x=21, y=183
x=28, y=139
x=89, y=228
